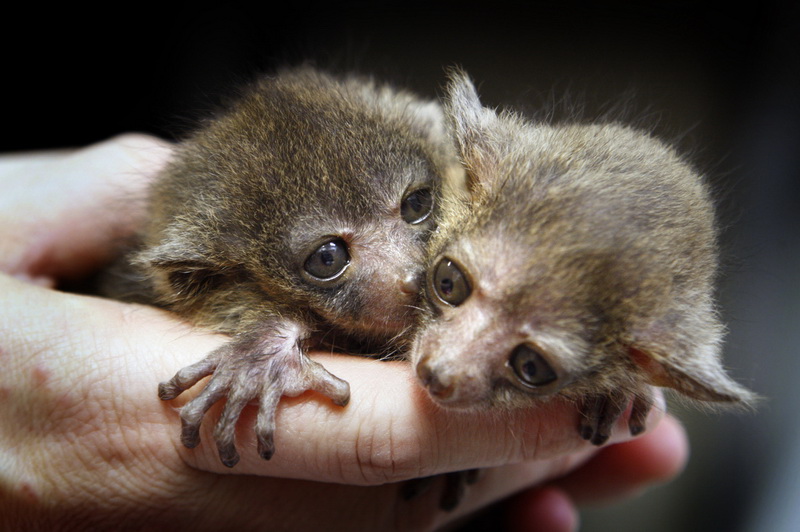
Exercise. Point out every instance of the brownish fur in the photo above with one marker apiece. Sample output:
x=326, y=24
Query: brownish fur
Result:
x=595, y=246
x=301, y=157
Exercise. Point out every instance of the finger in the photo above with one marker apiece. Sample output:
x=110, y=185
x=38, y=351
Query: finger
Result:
x=94, y=364
x=62, y=212
x=547, y=509
x=541, y=509
x=623, y=470
x=391, y=431
x=617, y=472
x=249, y=502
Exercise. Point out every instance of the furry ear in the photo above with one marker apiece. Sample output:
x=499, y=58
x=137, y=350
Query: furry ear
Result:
x=698, y=375
x=473, y=128
x=463, y=105
x=181, y=274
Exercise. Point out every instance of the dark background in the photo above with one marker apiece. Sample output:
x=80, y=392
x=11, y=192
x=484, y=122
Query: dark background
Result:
x=722, y=84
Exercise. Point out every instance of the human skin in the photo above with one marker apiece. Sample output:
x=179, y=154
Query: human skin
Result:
x=85, y=442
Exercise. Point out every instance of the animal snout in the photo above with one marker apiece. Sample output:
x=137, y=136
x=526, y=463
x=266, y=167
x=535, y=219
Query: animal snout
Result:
x=409, y=284
x=439, y=386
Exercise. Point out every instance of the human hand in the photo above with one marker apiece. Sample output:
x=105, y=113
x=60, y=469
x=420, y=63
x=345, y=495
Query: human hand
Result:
x=85, y=441
x=617, y=472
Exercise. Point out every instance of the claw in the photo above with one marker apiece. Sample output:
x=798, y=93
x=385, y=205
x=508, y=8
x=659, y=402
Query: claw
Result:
x=324, y=382
x=598, y=415
x=266, y=446
x=638, y=420
x=472, y=476
x=600, y=412
x=415, y=487
x=454, y=490
x=265, y=423
x=599, y=438
x=192, y=412
x=455, y=487
x=225, y=429
x=190, y=434
x=263, y=366
x=189, y=376
x=168, y=391
x=228, y=455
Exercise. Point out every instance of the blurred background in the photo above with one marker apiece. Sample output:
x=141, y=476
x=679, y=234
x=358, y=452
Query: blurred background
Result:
x=721, y=84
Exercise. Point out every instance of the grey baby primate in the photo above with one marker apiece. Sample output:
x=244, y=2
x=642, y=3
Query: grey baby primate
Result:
x=297, y=218
x=582, y=264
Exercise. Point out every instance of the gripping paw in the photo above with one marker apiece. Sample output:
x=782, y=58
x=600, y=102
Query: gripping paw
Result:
x=453, y=491
x=600, y=412
x=260, y=369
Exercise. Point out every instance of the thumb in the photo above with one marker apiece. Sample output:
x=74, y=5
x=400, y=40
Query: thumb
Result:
x=63, y=211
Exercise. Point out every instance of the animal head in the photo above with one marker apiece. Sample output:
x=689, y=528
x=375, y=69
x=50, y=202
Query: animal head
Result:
x=582, y=263
x=319, y=191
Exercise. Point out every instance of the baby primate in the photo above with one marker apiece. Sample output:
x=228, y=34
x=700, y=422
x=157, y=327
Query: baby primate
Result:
x=583, y=265
x=298, y=216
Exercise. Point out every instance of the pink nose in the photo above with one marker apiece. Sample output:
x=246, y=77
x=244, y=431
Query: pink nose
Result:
x=441, y=389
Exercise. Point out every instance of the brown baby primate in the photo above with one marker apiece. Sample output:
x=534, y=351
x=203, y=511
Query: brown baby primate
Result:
x=583, y=265
x=297, y=217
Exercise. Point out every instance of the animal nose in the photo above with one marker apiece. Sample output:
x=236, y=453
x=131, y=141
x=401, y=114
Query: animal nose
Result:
x=409, y=284
x=440, y=387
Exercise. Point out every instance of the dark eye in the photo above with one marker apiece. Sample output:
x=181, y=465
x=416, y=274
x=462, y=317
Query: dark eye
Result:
x=416, y=206
x=450, y=283
x=328, y=261
x=531, y=367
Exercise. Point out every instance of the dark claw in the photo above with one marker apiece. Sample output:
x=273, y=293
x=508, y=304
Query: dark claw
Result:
x=228, y=456
x=324, y=382
x=342, y=402
x=251, y=366
x=190, y=434
x=598, y=415
x=473, y=475
x=455, y=487
x=266, y=446
x=642, y=404
x=167, y=391
x=415, y=487
x=599, y=439
x=189, y=376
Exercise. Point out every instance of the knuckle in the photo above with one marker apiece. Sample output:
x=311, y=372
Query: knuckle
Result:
x=389, y=454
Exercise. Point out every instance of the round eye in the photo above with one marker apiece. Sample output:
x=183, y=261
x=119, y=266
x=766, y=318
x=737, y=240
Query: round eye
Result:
x=450, y=283
x=530, y=367
x=328, y=261
x=416, y=206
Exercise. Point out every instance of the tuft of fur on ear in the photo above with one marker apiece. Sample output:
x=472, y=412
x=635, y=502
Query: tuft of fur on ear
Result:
x=180, y=272
x=699, y=376
x=473, y=126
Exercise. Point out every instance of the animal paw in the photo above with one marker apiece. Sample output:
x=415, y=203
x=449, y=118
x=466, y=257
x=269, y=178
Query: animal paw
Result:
x=248, y=369
x=600, y=412
x=455, y=487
